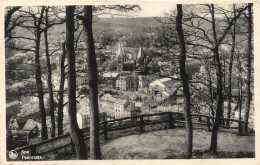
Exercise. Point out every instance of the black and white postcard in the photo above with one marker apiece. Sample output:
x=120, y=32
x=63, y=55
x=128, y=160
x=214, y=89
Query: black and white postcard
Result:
x=174, y=81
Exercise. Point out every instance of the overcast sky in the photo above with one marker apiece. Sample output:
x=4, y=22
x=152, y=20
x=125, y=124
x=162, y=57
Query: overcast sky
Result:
x=154, y=9
x=149, y=9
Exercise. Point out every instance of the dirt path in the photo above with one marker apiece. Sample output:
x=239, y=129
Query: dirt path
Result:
x=169, y=144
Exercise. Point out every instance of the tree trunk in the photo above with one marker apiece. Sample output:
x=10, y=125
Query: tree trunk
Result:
x=38, y=76
x=224, y=73
x=61, y=90
x=233, y=35
x=49, y=76
x=239, y=84
x=75, y=132
x=40, y=89
x=219, y=100
x=185, y=82
x=211, y=94
x=248, y=81
x=95, y=152
x=219, y=109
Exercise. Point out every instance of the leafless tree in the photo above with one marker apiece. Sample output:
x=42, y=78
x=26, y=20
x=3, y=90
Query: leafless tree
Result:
x=75, y=132
x=95, y=152
x=211, y=39
x=61, y=89
x=11, y=23
x=249, y=57
x=51, y=19
x=233, y=35
x=185, y=83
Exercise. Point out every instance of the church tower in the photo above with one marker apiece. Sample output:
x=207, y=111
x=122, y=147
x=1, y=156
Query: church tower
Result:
x=119, y=67
x=140, y=60
x=121, y=53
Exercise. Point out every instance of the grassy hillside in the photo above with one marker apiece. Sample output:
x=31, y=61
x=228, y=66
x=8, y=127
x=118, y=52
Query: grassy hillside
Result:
x=170, y=144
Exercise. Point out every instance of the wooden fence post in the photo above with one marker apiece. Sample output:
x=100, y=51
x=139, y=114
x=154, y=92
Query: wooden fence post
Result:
x=239, y=128
x=141, y=124
x=105, y=130
x=200, y=119
x=33, y=150
x=208, y=124
x=170, y=120
x=73, y=151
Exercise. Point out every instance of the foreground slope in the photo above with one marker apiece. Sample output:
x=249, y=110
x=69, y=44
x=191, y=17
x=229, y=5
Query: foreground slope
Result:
x=169, y=144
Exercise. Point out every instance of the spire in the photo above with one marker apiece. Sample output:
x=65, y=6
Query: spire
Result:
x=120, y=51
x=140, y=54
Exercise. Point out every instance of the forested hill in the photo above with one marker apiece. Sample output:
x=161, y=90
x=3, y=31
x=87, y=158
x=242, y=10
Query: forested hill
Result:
x=124, y=24
x=121, y=25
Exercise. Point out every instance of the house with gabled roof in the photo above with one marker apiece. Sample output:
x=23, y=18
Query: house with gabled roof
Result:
x=31, y=125
x=33, y=128
x=117, y=107
x=161, y=84
x=110, y=78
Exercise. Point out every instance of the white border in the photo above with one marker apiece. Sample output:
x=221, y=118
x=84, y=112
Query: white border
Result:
x=250, y=161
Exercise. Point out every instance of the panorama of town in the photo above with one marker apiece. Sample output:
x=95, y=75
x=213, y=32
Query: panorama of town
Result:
x=130, y=83
x=138, y=72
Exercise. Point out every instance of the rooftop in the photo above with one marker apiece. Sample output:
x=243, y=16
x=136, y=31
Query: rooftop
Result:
x=31, y=124
x=164, y=82
x=121, y=101
x=12, y=103
x=108, y=97
x=165, y=79
x=110, y=74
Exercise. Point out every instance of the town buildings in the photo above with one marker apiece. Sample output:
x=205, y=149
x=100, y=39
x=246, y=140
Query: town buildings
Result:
x=126, y=83
x=129, y=85
x=117, y=107
x=110, y=78
x=12, y=108
x=163, y=92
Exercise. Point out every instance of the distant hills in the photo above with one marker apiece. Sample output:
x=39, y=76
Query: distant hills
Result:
x=137, y=21
x=121, y=25
x=124, y=24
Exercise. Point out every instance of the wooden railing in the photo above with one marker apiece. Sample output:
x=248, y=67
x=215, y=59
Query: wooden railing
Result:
x=166, y=120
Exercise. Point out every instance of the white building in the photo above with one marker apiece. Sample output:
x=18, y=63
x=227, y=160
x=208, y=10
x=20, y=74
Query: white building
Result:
x=126, y=83
x=116, y=107
x=161, y=84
